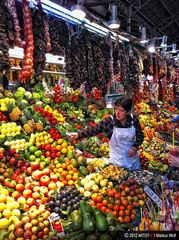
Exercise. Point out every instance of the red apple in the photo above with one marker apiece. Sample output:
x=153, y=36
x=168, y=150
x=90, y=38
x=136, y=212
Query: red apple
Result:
x=35, y=165
x=44, y=180
x=19, y=232
x=37, y=174
x=20, y=179
x=20, y=187
x=53, y=177
x=27, y=193
x=29, y=171
x=46, y=171
x=132, y=193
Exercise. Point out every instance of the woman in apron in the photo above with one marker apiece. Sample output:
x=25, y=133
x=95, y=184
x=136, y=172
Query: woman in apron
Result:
x=124, y=132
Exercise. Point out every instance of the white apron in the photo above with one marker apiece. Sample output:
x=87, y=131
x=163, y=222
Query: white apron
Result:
x=120, y=143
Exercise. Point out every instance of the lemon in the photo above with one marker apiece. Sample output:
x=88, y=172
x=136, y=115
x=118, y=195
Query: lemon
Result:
x=16, y=212
x=7, y=213
x=11, y=227
x=3, y=197
x=4, y=223
x=2, y=207
x=14, y=219
x=10, y=199
x=12, y=205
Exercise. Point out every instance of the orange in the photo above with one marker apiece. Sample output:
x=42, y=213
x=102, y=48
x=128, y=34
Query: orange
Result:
x=69, y=167
x=64, y=150
x=58, y=147
x=60, y=141
x=70, y=172
x=64, y=144
x=70, y=182
x=64, y=173
x=65, y=182
x=64, y=166
x=75, y=170
x=68, y=177
x=58, y=165
x=75, y=177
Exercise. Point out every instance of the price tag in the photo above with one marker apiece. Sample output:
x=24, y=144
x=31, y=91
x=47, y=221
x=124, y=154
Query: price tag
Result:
x=56, y=224
x=153, y=196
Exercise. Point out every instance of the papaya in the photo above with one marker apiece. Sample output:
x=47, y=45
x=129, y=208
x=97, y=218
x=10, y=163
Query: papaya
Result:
x=84, y=171
x=70, y=154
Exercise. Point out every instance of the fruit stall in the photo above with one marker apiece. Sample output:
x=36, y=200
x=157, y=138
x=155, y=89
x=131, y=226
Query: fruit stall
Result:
x=52, y=188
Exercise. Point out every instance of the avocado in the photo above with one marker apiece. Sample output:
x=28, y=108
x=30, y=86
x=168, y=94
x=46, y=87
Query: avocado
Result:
x=82, y=161
x=70, y=154
x=74, y=162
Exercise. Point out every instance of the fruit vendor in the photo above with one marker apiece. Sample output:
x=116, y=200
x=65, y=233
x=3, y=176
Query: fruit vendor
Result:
x=124, y=132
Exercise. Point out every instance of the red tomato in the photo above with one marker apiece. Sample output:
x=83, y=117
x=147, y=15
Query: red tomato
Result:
x=99, y=205
x=104, y=202
x=103, y=209
x=47, y=154
x=99, y=199
x=116, y=208
x=110, y=205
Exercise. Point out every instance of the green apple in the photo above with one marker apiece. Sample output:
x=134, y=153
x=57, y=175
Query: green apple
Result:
x=33, y=149
x=47, y=161
x=32, y=158
x=38, y=153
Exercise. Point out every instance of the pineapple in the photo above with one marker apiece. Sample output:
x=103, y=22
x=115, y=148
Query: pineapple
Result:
x=14, y=112
x=39, y=126
x=27, y=128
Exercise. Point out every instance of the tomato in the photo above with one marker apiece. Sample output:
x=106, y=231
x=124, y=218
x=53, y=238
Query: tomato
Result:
x=44, y=180
x=117, y=195
x=110, y=205
x=99, y=205
x=48, y=154
x=116, y=208
x=114, y=213
x=121, y=213
x=94, y=197
x=103, y=208
x=108, y=210
x=104, y=202
x=99, y=199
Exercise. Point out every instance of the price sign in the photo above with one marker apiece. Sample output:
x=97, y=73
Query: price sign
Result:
x=153, y=196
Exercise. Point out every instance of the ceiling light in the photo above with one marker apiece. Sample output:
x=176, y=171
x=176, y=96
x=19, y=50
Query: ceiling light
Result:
x=114, y=22
x=151, y=46
x=174, y=48
x=79, y=10
x=143, y=39
x=164, y=41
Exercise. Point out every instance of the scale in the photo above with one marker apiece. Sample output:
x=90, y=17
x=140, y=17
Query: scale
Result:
x=114, y=92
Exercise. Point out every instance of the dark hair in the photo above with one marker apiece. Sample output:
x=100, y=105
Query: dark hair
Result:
x=124, y=103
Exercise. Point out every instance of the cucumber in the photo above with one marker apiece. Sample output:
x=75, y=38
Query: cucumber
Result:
x=76, y=220
x=85, y=208
x=88, y=224
x=101, y=222
x=105, y=236
x=91, y=237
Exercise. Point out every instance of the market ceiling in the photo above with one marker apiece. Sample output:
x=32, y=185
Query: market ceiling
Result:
x=160, y=17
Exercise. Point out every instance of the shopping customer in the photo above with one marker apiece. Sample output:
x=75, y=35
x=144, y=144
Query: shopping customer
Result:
x=124, y=132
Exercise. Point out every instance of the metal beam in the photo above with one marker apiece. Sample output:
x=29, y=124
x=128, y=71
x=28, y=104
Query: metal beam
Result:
x=97, y=3
x=168, y=10
x=139, y=5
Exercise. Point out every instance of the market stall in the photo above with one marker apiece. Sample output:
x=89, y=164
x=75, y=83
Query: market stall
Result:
x=54, y=188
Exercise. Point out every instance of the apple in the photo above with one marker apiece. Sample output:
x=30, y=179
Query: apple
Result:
x=27, y=193
x=16, y=195
x=135, y=198
x=127, y=189
x=12, y=161
x=19, y=232
x=132, y=193
x=46, y=171
x=29, y=186
x=53, y=177
x=37, y=174
x=52, y=186
x=36, y=195
x=28, y=226
x=44, y=180
x=35, y=166
x=20, y=179
x=35, y=229
x=27, y=234
x=44, y=190
x=20, y=187
x=29, y=171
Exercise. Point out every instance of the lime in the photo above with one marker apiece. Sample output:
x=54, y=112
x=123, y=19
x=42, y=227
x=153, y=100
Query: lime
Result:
x=37, y=160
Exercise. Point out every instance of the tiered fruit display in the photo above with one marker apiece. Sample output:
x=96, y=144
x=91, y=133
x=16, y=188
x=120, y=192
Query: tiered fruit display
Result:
x=9, y=129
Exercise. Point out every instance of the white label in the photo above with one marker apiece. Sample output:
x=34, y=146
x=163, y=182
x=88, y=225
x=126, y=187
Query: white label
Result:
x=153, y=196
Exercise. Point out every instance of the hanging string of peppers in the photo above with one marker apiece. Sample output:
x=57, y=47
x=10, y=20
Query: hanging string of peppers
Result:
x=28, y=60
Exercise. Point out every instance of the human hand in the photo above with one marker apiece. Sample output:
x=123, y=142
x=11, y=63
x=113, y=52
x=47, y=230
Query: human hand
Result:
x=173, y=161
x=132, y=152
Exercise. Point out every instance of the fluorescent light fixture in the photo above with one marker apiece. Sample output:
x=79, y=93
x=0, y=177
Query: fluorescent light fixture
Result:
x=17, y=52
x=151, y=47
x=114, y=22
x=65, y=14
x=143, y=39
x=174, y=48
x=164, y=41
x=79, y=10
